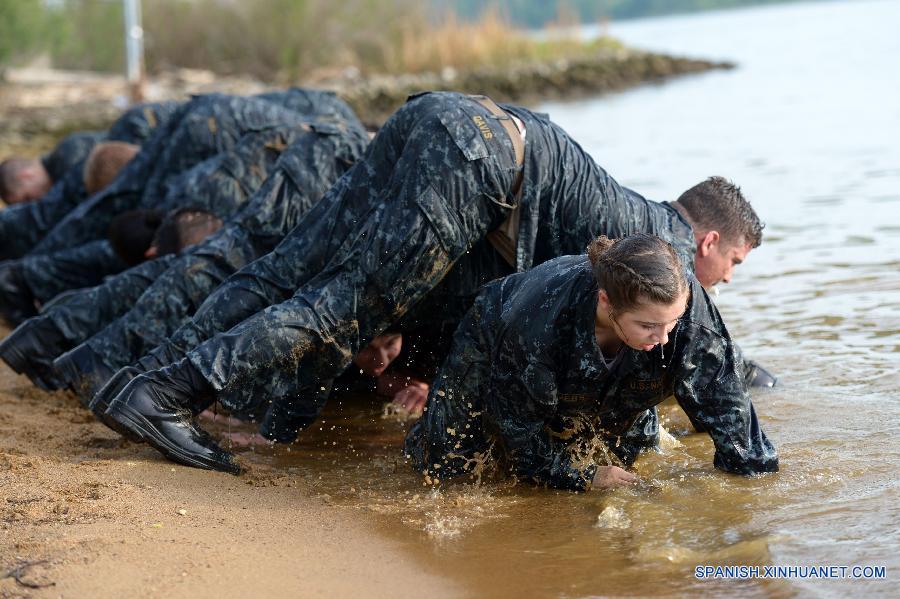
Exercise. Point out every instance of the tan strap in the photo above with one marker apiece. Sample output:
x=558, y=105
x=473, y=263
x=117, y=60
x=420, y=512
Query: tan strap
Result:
x=508, y=125
x=505, y=239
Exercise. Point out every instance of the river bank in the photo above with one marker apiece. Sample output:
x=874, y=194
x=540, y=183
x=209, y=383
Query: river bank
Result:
x=39, y=106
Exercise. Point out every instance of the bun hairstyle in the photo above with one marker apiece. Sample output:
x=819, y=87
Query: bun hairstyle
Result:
x=637, y=269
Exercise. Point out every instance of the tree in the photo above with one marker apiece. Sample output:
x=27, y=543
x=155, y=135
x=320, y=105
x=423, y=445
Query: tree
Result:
x=21, y=30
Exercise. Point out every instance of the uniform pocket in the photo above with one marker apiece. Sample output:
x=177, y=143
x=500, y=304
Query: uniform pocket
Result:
x=469, y=131
x=444, y=222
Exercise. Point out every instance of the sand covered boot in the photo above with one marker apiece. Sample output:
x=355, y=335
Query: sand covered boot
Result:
x=101, y=400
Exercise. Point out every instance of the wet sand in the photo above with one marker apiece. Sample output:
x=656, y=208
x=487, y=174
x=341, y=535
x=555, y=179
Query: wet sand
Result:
x=86, y=514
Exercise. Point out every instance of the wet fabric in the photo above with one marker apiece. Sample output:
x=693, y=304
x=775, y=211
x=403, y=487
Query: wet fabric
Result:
x=393, y=226
x=526, y=383
x=47, y=275
x=23, y=226
x=335, y=280
x=33, y=346
x=221, y=185
x=214, y=183
x=316, y=158
x=199, y=129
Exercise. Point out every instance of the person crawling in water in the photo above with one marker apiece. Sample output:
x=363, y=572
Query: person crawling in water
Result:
x=581, y=349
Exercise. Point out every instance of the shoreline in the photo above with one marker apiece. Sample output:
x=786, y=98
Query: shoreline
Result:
x=38, y=107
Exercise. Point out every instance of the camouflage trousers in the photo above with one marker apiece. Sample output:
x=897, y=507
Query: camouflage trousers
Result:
x=427, y=190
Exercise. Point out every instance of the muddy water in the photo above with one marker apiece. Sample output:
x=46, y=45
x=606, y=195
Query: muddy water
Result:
x=808, y=126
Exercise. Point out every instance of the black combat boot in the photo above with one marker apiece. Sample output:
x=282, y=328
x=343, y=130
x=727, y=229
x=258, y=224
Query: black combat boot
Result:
x=82, y=371
x=159, y=406
x=757, y=376
x=30, y=350
x=107, y=393
x=16, y=299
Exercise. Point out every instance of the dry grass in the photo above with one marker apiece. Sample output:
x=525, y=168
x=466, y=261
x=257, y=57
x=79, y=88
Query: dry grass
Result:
x=288, y=40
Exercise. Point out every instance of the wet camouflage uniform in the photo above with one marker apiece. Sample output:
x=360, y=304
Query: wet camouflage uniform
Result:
x=433, y=184
x=219, y=125
x=527, y=383
x=63, y=321
x=23, y=226
x=306, y=170
x=219, y=185
x=68, y=323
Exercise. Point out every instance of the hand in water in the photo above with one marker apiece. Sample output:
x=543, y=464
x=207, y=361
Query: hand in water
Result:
x=412, y=397
x=612, y=476
x=238, y=439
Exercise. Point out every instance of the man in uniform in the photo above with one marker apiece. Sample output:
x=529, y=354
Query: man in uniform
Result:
x=209, y=125
x=25, y=180
x=445, y=173
x=23, y=226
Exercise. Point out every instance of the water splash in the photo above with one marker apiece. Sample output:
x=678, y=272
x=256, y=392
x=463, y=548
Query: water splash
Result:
x=612, y=517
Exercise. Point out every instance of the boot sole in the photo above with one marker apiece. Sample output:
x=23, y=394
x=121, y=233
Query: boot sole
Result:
x=137, y=424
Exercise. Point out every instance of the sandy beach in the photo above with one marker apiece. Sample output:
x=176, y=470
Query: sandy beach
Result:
x=84, y=513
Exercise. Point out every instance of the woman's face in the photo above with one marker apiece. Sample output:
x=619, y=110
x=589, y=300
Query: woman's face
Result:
x=648, y=325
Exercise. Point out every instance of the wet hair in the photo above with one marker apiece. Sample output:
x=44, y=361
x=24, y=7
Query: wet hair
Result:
x=11, y=171
x=185, y=227
x=717, y=204
x=637, y=269
x=131, y=234
x=105, y=162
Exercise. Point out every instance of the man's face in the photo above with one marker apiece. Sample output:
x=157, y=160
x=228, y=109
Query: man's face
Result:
x=377, y=356
x=34, y=183
x=715, y=259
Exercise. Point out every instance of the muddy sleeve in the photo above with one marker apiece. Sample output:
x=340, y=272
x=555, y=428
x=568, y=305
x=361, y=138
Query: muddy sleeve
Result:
x=712, y=394
x=520, y=407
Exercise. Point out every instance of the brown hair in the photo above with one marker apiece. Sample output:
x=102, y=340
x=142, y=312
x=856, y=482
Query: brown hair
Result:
x=637, y=269
x=717, y=204
x=105, y=162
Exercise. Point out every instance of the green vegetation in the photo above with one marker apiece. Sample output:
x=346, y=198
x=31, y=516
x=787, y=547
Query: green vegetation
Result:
x=21, y=29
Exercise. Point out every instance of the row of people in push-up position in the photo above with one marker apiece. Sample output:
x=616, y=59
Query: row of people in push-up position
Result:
x=249, y=250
